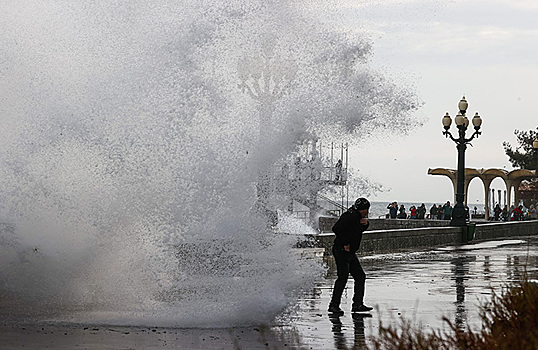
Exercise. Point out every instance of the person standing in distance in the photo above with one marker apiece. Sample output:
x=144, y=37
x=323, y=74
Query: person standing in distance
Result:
x=348, y=231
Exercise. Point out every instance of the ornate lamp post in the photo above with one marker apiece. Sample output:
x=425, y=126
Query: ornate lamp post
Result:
x=458, y=214
x=535, y=149
x=265, y=78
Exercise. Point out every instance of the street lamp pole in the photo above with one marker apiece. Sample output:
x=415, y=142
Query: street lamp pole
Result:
x=458, y=214
x=266, y=78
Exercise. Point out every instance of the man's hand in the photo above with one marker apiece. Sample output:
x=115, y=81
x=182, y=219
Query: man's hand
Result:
x=347, y=248
x=364, y=221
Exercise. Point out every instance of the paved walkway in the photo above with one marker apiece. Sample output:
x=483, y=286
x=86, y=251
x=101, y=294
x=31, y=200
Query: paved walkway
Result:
x=421, y=286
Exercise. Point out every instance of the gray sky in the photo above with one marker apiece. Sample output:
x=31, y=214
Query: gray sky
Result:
x=485, y=49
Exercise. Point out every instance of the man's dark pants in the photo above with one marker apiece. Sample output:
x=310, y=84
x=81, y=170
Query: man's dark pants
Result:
x=348, y=263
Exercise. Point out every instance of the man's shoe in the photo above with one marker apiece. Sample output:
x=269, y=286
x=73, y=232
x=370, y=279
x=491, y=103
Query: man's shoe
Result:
x=335, y=310
x=361, y=308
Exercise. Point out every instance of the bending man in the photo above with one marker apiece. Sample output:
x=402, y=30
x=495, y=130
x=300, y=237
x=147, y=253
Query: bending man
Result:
x=348, y=230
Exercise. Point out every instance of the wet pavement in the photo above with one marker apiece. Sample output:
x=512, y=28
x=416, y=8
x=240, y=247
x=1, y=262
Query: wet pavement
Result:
x=420, y=286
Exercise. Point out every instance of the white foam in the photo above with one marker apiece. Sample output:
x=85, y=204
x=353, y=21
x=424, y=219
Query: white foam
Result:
x=129, y=140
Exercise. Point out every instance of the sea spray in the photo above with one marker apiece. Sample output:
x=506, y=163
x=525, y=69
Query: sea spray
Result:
x=135, y=136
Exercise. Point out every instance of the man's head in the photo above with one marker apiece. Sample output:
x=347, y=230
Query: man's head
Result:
x=362, y=205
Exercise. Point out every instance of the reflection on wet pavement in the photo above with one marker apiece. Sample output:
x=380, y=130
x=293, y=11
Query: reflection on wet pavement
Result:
x=359, y=339
x=420, y=286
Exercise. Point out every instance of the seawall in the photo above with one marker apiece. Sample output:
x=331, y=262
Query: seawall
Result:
x=394, y=240
x=326, y=223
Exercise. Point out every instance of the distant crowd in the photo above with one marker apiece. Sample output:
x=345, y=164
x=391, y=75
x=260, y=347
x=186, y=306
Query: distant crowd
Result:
x=444, y=212
x=441, y=212
x=514, y=213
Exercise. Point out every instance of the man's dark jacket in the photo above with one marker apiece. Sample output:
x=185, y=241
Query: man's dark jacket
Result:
x=348, y=230
x=393, y=211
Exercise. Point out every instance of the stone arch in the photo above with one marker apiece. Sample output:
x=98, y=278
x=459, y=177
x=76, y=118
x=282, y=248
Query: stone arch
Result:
x=511, y=179
x=470, y=174
x=477, y=183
